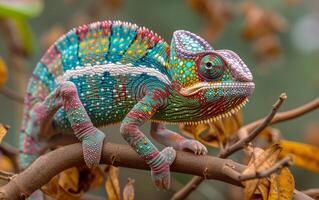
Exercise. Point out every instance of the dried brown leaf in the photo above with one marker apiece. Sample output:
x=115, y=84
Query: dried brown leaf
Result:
x=112, y=185
x=6, y=163
x=216, y=13
x=64, y=186
x=282, y=186
x=3, y=131
x=260, y=22
x=305, y=156
x=3, y=72
x=267, y=47
x=260, y=160
x=128, y=192
x=73, y=183
x=214, y=133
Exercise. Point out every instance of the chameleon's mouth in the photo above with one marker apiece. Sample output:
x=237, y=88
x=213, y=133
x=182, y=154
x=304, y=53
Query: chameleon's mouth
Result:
x=221, y=115
x=211, y=113
x=232, y=88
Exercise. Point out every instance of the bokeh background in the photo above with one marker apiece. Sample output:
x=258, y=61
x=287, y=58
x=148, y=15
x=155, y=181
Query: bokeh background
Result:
x=278, y=40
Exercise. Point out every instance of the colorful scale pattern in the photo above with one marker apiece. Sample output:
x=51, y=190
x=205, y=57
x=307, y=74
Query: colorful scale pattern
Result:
x=94, y=44
x=184, y=71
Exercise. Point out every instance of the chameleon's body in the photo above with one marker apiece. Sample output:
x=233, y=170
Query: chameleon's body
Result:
x=109, y=72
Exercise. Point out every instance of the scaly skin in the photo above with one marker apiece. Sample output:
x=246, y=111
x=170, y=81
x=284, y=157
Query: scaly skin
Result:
x=109, y=72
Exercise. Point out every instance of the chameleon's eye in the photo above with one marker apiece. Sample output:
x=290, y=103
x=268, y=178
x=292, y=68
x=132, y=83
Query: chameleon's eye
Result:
x=211, y=67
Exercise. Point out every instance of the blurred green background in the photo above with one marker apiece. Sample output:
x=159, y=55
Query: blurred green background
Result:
x=295, y=71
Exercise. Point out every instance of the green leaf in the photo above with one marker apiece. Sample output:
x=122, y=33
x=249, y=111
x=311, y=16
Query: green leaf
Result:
x=20, y=8
x=25, y=34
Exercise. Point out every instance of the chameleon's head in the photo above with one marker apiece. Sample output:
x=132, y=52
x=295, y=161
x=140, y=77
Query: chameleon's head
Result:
x=219, y=79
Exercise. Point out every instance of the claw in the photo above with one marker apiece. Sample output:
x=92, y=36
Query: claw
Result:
x=195, y=146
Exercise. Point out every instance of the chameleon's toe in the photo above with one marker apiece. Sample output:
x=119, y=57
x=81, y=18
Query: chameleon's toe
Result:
x=37, y=195
x=160, y=173
x=161, y=177
x=92, y=148
x=195, y=146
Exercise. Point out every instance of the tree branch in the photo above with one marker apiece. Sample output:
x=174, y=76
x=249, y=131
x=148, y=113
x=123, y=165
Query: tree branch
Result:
x=225, y=152
x=11, y=95
x=314, y=193
x=285, y=162
x=287, y=115
x=52, y=163
x=47, y=166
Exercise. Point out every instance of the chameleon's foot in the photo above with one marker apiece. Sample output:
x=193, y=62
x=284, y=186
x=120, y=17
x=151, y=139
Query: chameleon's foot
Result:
x=161, y=174
x=92, y=147
x=37, y=195
x=195, y=146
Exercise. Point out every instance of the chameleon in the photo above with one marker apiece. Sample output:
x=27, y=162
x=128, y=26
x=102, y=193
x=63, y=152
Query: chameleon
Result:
x=111, y=72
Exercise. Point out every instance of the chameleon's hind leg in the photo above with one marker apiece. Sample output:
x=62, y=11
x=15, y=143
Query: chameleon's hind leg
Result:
x=159, y=162
x=172, y=139
x=91, y=137
x=66, y=96
x=38, y=122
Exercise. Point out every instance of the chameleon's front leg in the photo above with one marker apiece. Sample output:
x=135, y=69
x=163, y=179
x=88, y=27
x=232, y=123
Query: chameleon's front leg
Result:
x=159, y=162
x=172, y=139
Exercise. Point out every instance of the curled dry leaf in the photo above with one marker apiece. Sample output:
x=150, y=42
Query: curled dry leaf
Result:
x=64, y=185
x=260, y=160
x=73, y=183
x=281, y=186
x=214, y=133
x=260, y=22
x=3, y=131
x=128, y=192
x=216, y=13
x=3, y=72
x=262, y=27
x=112, y=185
x=305, y=156
x=267, y=46
x=6, y=163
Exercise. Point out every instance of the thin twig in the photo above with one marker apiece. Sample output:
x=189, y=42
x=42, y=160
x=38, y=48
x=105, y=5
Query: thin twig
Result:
x=285, y=162
x=6, y=175
x=11, y=95
x=242, y=142
x=314, y=193
x=287, y=115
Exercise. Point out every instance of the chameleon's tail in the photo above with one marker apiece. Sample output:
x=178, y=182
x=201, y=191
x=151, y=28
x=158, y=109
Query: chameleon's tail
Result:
x=29, y=148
